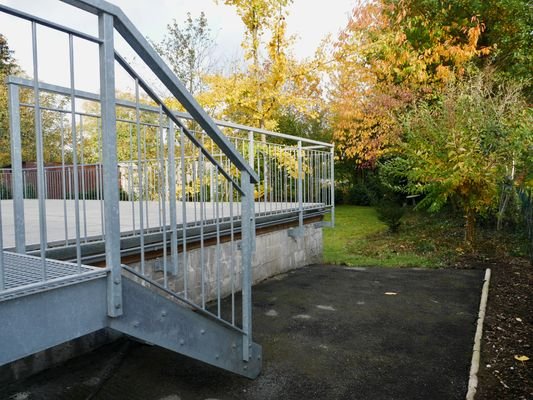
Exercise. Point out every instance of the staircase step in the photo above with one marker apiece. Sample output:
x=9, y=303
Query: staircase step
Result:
x=150, y=317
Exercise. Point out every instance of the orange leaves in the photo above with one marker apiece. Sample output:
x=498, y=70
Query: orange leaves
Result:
x=390, y=54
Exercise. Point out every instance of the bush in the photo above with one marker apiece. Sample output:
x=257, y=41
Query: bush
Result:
x=391, y=214
x=30, y=192
x=359, y=195
x=5, y=192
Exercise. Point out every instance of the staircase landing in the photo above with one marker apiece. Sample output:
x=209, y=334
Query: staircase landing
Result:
x=24, y=274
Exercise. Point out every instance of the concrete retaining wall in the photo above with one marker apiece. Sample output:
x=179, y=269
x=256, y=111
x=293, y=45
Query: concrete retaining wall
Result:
x=276, y=252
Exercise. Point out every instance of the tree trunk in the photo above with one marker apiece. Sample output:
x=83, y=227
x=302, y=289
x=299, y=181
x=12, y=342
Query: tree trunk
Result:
x=504, y=200
x=470, y=227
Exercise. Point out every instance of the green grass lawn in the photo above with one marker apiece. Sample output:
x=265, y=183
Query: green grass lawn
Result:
x=424, y=240
x=360, y=239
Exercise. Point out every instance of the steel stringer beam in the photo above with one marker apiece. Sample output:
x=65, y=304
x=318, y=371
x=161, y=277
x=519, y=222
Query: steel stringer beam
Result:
x=153, y=318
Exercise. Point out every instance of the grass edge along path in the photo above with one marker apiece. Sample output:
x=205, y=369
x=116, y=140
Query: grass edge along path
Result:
x=360, y=239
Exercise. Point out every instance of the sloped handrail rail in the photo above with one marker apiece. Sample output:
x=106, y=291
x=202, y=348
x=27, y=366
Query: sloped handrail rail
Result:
x=171, y=115
x=146, y=52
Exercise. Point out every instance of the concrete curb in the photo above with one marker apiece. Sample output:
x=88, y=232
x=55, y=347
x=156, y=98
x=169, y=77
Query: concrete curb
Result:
x=474, y=366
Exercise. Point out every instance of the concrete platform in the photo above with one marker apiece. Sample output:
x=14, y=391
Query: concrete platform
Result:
x=327, y=333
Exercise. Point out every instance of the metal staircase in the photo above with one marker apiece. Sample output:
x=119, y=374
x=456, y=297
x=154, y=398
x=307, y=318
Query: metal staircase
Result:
x=37, y=320
x=44, y=302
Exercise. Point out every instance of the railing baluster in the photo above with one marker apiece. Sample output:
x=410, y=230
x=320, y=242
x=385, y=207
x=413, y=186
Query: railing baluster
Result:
x=140, y=173
x=39, y=153
x=163, y=201
x=17, y=178
x=110, y=162
x=184, y=214
x=300, y=187
x=232, y=258
x=217, y=248
x=83, y=187
x=202, y=219
x=147, y=170
x=100, y=181
x=2, y=267
x=63, y=180
x=75, y=183
x=172, y=197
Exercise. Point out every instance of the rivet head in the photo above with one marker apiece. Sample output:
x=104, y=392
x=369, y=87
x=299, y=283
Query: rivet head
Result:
x=163, y=313
x=217, y=356
x=118, y=306
x=116, y=281
x=202, y=331
x=245, y=367
x=182, y=342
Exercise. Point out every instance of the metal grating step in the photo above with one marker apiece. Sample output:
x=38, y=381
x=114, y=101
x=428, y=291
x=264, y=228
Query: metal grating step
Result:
x=24, y=274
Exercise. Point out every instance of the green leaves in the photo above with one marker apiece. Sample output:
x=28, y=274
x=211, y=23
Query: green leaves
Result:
x=461, y=148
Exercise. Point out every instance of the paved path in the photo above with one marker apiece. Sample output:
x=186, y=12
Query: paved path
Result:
x=327, y=333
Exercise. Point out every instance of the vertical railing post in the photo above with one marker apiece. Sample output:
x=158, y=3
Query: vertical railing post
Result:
x=172, y=197
x=110, y=162
x=39, y=153
x=300, y=188
x=332, y=163
x=247, y=239
x=16, y=168
x=251, y=158
x=2, y=269
x=251, y=148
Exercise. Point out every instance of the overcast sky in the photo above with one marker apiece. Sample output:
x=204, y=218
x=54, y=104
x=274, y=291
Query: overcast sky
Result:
x=309, y=20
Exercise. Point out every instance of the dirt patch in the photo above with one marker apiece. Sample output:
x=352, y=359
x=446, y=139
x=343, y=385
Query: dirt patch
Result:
x=508, y=331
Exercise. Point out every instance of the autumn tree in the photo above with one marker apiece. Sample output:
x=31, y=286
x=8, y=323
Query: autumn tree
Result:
x=272, y=80
x=390, y=54
x=188, y=48
x=500, y=30
x=460, y=149
x=49, y=120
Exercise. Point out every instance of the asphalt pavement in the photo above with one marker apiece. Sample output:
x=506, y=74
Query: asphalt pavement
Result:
x=327, y=333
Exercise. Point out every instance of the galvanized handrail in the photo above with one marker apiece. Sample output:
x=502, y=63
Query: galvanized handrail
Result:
x=109, y=18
